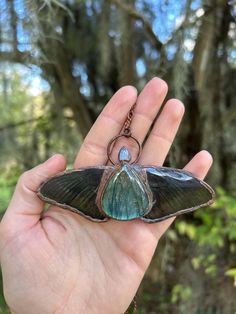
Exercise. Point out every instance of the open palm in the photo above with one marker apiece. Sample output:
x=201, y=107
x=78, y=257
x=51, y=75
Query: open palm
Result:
x=59, y=262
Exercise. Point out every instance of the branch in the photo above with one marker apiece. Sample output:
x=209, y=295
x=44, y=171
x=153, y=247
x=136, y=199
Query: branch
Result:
x=13, y=23
x=17, y=124
x=137, y=16
x=14, y=125
x=17, y=56
x=229, y=116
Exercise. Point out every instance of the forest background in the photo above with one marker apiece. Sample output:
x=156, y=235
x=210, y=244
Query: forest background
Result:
x=61, y=60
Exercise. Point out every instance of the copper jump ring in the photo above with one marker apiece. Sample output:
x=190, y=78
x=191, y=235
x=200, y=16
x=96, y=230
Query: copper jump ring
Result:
x=115, y=138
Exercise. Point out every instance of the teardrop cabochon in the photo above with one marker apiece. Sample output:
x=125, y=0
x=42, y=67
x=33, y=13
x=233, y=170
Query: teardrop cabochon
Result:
x=124, y=193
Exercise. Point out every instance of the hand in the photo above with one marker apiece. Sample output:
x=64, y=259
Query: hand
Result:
x=59, y=262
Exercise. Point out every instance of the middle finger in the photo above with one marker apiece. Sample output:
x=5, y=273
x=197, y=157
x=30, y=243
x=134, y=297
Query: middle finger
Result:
x=163, y=133
x=147, y=106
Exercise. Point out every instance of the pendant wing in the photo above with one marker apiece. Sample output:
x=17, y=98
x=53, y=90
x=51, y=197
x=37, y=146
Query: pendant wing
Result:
x=175, y=192
x=75, y=190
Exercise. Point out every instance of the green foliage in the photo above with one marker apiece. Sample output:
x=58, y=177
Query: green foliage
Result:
x=8, y=179
x=180, y=293
x=30, y=125
x=207, y=262
x=232, y=273
x=184, y=228
x=214, y=231
x=213, y=225
x=218, y=223
x=3, y=307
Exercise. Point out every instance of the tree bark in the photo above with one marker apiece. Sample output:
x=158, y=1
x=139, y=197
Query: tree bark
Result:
x=126, y=50
x=208, y=82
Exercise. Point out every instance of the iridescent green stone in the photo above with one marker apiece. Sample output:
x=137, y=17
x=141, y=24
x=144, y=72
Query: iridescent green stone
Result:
x=125, y=196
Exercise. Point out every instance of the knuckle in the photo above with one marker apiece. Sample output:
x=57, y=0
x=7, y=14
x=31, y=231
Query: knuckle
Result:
x=94, y=148
x=6, y=232
x=24, y=178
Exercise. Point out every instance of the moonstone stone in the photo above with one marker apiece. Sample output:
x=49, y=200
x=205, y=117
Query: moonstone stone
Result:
x=125, y=196
x=124, y=154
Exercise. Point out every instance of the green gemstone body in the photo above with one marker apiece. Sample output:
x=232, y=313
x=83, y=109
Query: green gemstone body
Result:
x=125, y=196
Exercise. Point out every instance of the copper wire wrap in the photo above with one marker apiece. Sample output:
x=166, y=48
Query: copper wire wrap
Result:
x=125, y=133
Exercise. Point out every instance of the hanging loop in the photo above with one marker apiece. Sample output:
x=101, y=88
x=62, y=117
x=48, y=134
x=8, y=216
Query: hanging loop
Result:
x=115, y=138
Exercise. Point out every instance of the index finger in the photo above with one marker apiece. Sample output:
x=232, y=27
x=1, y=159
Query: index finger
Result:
x=109, y=123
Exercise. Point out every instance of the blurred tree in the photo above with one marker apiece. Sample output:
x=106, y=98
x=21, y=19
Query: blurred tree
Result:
x=88, y=49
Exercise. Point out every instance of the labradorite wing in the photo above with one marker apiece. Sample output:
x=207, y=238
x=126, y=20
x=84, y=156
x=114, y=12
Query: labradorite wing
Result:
x=75, y=190
x=175, y=192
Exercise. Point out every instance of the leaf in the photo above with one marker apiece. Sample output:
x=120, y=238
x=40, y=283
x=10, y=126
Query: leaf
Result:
x=231, y=272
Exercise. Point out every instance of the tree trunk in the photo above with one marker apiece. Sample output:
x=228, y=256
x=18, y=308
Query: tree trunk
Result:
x=126, y=50
x=208, y=81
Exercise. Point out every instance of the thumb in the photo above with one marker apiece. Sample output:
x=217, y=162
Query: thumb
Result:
x=25, y=207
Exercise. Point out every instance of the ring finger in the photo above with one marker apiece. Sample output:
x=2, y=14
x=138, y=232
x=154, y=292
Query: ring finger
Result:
x=163, y=133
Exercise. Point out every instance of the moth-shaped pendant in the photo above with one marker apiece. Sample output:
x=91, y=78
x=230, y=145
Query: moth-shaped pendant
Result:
x=127, y=191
